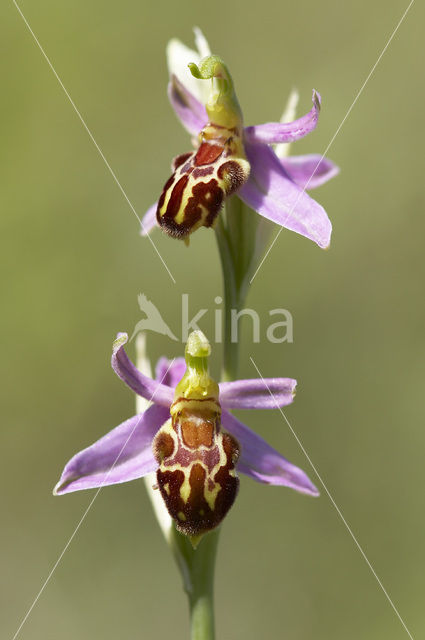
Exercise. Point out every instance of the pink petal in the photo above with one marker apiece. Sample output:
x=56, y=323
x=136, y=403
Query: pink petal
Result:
x=270, y=191
x=257, y=393
x=263, y=463
x=310, y=171
x=124, y=454
x=189, y=110
x=149, y=220
x=133, y=378
x=170, y=372
x=275, y=132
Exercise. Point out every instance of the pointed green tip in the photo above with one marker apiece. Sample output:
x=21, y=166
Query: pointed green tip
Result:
x=197, y=345
x=119, y=341
x=195, y=540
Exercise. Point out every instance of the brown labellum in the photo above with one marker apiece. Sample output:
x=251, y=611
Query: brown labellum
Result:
x=196, y=475
x=201, y=181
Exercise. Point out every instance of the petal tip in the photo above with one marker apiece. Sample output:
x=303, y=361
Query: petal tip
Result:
x=326, y=244
x=323, y=240
x=317, y=99
x=304, y=485
x=144, y=232
x=201, y=42
x=59, y=487
x=335, y=170
x=119, y=342
x=311, y=490
x=66, y=479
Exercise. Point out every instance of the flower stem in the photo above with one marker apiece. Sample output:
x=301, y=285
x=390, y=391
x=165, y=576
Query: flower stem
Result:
x=230, y=348
x=202, y=596
x=197, y=569
x=241, y=238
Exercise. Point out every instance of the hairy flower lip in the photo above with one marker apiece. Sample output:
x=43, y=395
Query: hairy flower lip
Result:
x=125, y=453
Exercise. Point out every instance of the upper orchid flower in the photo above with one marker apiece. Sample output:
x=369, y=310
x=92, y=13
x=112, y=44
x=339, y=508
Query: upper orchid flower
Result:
x=180, y=437
x=230, y=158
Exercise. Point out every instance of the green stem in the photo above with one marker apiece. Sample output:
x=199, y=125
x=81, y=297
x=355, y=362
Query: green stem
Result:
x=231, y=300
x=236, y=237
x=197, y=568
x=202, y=597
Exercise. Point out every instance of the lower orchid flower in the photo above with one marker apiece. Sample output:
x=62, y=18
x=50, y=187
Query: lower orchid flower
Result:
x=189, y=438
x=232, y=159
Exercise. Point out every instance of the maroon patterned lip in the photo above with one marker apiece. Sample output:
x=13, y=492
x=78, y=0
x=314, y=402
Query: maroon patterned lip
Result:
x=189, y=187
x=193, y=454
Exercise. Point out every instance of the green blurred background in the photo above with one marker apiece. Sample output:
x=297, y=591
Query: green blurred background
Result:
x=73, y=263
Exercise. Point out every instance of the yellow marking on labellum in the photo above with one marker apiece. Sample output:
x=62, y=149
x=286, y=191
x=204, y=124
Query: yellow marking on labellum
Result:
x=185, y=488
x=185, y=404
x=181, y=516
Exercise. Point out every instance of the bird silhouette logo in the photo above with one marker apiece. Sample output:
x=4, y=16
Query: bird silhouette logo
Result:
x=153, y=320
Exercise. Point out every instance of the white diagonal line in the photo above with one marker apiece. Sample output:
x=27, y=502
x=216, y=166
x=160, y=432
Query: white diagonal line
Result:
x=347, y=526
x=45, y=583
x=111, y=171
x=332, y=140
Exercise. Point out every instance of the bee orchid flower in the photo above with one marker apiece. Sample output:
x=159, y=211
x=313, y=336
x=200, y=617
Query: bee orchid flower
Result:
x=232, y=159
x=189, y=438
